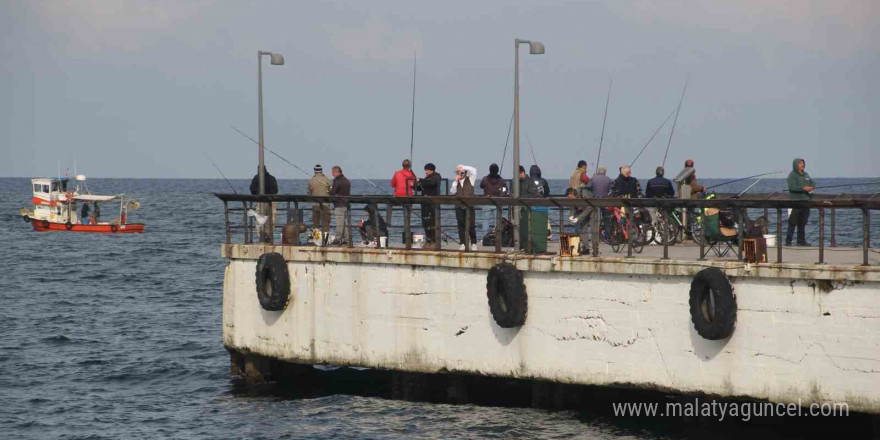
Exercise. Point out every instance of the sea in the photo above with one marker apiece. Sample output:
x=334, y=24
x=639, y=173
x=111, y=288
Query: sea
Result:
x=119, y=337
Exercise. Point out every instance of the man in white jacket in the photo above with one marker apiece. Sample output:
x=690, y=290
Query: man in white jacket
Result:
x=463, y=186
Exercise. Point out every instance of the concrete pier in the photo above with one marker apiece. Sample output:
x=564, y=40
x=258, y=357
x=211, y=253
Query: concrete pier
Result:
x=804, y=333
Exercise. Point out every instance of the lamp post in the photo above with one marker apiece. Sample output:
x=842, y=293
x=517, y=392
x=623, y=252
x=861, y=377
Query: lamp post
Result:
x=535, y=48
x=277, y=60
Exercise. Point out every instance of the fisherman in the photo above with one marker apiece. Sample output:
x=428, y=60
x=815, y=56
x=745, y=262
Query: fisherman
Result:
x=542, y=185
x=626, y=186
x=581, y=219
x=319, y=185
x=601, y=183
x=691, y=181
x=430, y=187
x=532, y=223
x=463, y=186
x=271, y=185
x=341, y=188
x=800, y=187
x=493, y=184
x=367, y=228
x=659, y=187
x=579, y=180
x=403, y=180
x=84, y=214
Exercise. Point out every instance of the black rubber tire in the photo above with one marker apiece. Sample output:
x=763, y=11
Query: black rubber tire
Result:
x=713, y=304
x=26, y=219
x=114, y=228
x=45, y=224
x=68, y=225
x=273, y=282
x=508, y=301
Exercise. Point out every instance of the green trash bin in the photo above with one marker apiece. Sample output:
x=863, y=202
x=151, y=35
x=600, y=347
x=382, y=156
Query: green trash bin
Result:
x=533, y=225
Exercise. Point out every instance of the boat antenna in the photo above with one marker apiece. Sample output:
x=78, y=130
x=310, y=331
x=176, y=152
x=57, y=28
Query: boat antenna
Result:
x=604, y=118
x=744, y=178
x=652, y=138
x=671, y=132
x=506, y=142
x=276, y=154
x=221, y=172
x=532, y=150
x=412, y=123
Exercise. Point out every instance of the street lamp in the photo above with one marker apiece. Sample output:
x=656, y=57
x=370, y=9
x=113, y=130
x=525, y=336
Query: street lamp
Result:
x=277, y=60
x=535, y=48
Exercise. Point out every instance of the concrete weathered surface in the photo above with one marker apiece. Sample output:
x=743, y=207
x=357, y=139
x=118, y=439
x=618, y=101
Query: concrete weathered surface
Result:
x=804, y=331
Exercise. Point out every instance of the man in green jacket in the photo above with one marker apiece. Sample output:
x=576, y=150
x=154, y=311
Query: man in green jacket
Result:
x=800, y=186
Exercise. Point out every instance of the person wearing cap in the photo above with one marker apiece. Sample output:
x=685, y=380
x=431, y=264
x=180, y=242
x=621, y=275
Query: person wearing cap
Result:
x=691, y=181
x=403, y=180
x=579, y=180
x=319, y=185
x=430, y=186
x=659, y=187
x=600, y=183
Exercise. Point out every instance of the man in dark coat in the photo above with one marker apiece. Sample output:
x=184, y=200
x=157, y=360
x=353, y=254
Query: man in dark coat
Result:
x=659, y=187
x=271, y=185
x=800, y=187
x=368, y=229
x=626, y=186
x=493, y=184
x=430, y=186
x=341, y=188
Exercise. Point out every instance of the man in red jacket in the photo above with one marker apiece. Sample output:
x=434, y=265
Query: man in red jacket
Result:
x=403, y=180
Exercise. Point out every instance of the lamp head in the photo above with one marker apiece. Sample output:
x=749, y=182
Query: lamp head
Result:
x=278, y=60
x=536, y=47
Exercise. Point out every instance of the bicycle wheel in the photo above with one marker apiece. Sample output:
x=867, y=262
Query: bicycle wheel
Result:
x=637, y=235
x=616, y=237
x=697, y=232
x=666, y=232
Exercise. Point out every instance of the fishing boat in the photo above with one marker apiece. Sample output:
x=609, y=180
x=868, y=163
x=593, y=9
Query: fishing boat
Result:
x=56, y=207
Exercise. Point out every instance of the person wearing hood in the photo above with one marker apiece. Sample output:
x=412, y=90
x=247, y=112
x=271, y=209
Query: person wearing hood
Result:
x=579, y=180
x=493, y=185
x=271, y=185
x=403, y=180
x=659, y=187
x=463, y=186
x=541, y=183
x=368, y=229
x=601, y=183
x=800, y=187
x=626, y=186
x=319, y=185
x=430, y=186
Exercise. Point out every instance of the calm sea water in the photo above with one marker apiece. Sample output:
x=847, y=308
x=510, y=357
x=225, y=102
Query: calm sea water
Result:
x=106, y=337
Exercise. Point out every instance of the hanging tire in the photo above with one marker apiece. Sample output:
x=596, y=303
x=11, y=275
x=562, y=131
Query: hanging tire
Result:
x=713, y=304
x=45, y=224
x=506, y=290
x=273, y=282
x=114, y=228
x=68, y=226
x=26, y=219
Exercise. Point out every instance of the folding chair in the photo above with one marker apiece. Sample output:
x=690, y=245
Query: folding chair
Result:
x=721, y=240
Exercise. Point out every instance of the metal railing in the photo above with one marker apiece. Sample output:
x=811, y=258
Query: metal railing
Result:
x=399, y=215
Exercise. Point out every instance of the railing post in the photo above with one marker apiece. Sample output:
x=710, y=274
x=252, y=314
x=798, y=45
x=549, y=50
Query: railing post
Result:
x=833, y=227
x=499, y=228
x=246, y=223
x=467, y=227
x=595, y=232
x=374, y=220
x=561, y=223
x=702, y=231
x=226, y=219
x=821, y=235
x=438, y=223
x=630, y=227
x=528, y=229
x=739, y=233
x=270, y=222
x=866, y=235
x=779, y=235
x=347, y=224
x=668, y=238
x=407, y=230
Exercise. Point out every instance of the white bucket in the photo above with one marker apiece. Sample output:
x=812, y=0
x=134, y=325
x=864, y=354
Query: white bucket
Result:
x=383, y=241
x=418, y=238
x=771, y=240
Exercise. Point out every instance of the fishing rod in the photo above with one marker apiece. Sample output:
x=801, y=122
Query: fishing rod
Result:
x=221, y=172
x=506, y=142
x=743, y=178
x=846, y=184
x=676, y=119
x=749, y=187
x=412, y=124
x=267, y=149
x=604, y=118
x=532, y=150
x=652, y=138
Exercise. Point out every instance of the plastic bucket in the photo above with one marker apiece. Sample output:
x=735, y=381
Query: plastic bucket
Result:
x=771, y=240
x=383, y=241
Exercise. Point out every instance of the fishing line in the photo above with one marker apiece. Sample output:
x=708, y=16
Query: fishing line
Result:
x=671, y=132
x=604, y=118
x=221, y=172
x=652, y=138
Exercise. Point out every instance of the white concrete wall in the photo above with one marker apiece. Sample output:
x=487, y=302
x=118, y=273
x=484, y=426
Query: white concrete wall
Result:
x=792, y=341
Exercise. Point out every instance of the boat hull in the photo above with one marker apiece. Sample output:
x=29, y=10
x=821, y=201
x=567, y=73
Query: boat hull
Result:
x=129, y=228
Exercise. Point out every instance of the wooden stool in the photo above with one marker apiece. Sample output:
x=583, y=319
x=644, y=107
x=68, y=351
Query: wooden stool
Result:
x=755, y=250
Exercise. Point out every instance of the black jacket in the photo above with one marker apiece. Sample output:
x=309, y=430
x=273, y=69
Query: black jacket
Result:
x=383, y=227
x=341, y=187
x=659, y=187
x=494, y=185
x=271, y=184
x=431, y=185
x=541, y=183
x=625, y=187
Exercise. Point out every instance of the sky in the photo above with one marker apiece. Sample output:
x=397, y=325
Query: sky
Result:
x=151, y=89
